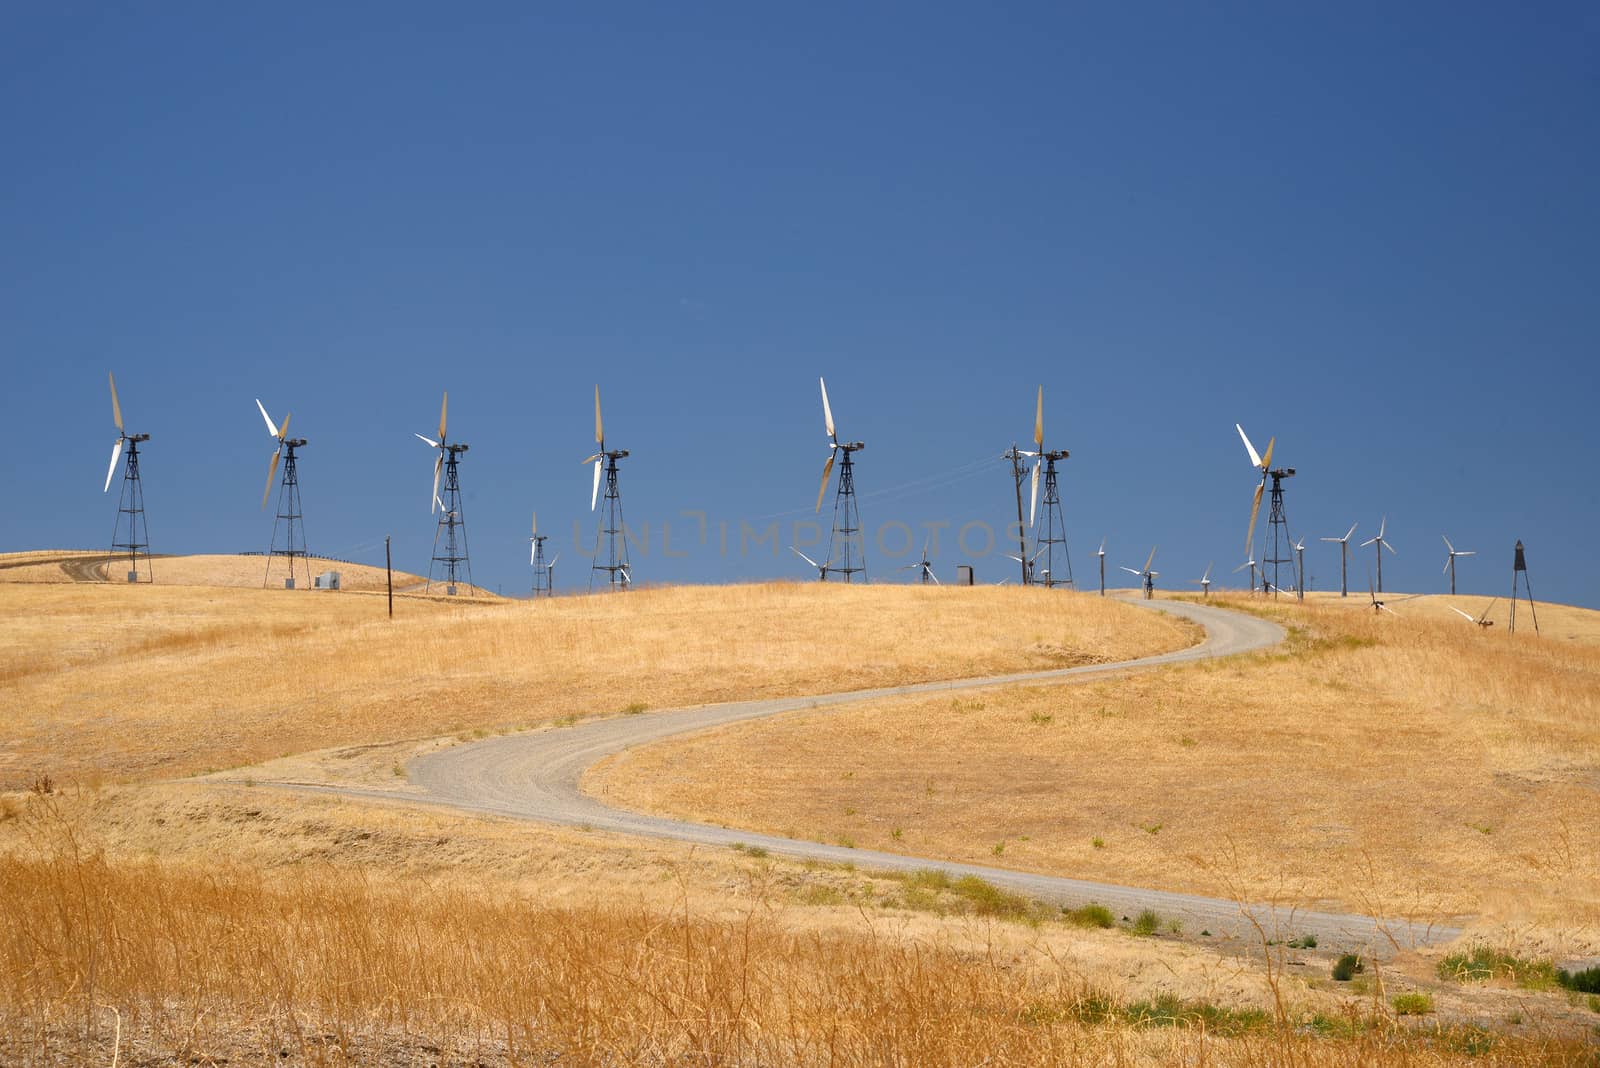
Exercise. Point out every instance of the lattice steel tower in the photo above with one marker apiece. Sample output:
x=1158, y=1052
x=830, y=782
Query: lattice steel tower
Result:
x=130, y=500
x=289, y=516
x=543, y=570
x=846, y=543
x=452, y=526
x=618, y=570
x=454, y=561
x=1055, y=527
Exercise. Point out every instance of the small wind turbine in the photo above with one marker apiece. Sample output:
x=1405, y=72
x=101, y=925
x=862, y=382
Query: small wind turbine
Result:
x=1377, y=605
x=1300, y=567
x=543, y=576
x=1450, y=561
x=451, y=522
x=822, y=569
x=1204, y=582
x=924, y=568
x=130, y=501
x=1102, y=555
x=288, y=497
x=1483, y=621
x=1381, y=545
x=1344, y=555
x=1148, y=575
x=846, y=516
x=1250, y=562
x=617, y=565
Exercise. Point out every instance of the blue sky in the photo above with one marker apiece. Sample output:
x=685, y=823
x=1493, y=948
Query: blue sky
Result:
x=1367, y=230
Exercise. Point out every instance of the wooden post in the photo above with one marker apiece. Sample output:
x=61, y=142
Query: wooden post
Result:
x=388, y=567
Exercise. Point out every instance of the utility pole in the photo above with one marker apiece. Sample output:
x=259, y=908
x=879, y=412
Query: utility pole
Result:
x=388, y=567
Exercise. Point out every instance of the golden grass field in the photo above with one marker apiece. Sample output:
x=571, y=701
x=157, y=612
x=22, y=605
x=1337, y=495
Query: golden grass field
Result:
x=191, y=922
x=142, y=682
x=1399, y=765
x=244, y=572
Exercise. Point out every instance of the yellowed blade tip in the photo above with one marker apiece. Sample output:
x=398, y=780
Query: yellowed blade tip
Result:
x=1266, y=458
x=272, y=470
x=1255, y=509
x=827, y=469
x=283, y=428
x=599, y=429
x=1038, y=421
x=444, y=406
x=116, y=409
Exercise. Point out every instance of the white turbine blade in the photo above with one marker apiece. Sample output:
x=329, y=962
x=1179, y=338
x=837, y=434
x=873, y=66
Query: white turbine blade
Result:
x=1033, y=507
x=1152, y=574
x=272, y=428
x=1382, y=527
x=429, y=441
x=1391, y=548
x=1368, y=542
x=438, y=465
x=553, y=562
x=116, y=408
x=1102, y=551
x=1255, y=457
x=599, y=427
x=1152, y=558
x=1131, y=571
x=1467, y=552
x=533, y=548
x=116, y=451
x=1385, y=608
x=1446, y=569
x=827, y=412
x=1349, y=532
x=935, y=578
x=1332, y=539
x=1242, y=566
x=1447, y=545
x=1018, y=559
x=272, y=470
x=1462, y=614
x=535, y=530
x=444, y=406
x=594, y=494
x=1207, y=576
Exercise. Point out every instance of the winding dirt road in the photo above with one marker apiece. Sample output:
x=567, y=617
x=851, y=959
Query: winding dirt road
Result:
x=537, y=776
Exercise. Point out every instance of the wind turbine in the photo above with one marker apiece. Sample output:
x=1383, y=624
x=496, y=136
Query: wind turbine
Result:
x=1148, y=575
x=130, y=502
x=1300, y=566
x=846, y=516
x=1381, y=545
x=618, y=573
x=1277, y=520
x=923, y=567
x=452, y=521
x=1055, y=527
x=543, y=572
x=1250, y=562
x=1450, y=561
x=1377, y=605
x=288, y=499
x=1102, y=555
x=1204, y=582
x=822, y=569
x=1483, y=621
x=1344, y=555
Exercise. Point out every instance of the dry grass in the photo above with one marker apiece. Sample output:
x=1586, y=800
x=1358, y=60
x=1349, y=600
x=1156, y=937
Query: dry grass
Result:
x=132, y=683
x=1390, y=766
x=160, y=962
x=243, y=572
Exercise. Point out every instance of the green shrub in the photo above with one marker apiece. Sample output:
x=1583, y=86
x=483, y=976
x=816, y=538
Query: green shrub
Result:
x=1090, y=916
x=1147, y=924
x=1347, y=967
x=1413, y=1003
x=1480, y=962
x=1584, y=982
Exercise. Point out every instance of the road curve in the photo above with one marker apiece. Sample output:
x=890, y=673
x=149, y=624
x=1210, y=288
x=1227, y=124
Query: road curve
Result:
x=537, y=776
